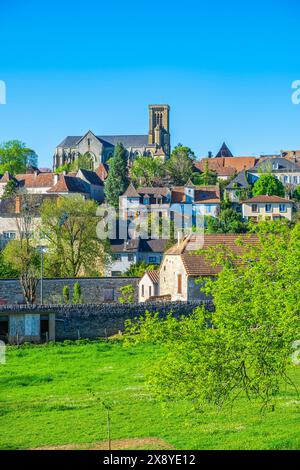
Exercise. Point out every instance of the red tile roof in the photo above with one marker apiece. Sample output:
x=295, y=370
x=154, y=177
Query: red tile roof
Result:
x=36, y=180
x=198, y=264
x=227, y=166
x=154, y=276
x=268, y=199
x=203, y=194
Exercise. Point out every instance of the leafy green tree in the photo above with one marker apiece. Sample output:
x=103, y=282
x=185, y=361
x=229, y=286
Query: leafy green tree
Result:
x=243, y=348
x=139, y=269
x=69, y=226
x=268, y=184
x=7, y=270
x=15, y=157
x=228, y=221
x=147, y=171
x=117, y=180
x=10, y=189
x=207, y=177
x=179, y=167
x=127, y=294
x=77, y=294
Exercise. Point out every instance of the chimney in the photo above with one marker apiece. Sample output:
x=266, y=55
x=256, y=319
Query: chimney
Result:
x=209, y=154
x=18, y=205
x=179, y=237
x=55, y=178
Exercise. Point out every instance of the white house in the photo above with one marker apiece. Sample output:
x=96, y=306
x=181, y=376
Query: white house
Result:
x=149, y=285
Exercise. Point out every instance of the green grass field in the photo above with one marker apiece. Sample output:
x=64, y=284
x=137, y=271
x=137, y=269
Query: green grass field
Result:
x=52, y=396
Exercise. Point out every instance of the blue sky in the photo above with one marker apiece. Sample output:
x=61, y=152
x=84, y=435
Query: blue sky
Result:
x=225, y=68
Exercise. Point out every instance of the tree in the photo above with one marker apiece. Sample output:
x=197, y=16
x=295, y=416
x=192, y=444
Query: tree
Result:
x=66, y=294
x=22, y=254
x=69, y=225
x=180, y=166
x=269, y=185
x=206, y=178
x=117, y=180
x=244, y=347
x=15, y=157
x=228, y=221
x=10, y=189
x=7, y=270
x=139, y=269
x=127, y=294
x=147, y=171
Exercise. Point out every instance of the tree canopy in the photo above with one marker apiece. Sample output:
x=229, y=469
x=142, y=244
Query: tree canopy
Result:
x=228, y=221
x=147, y=171
x=179, y=167
x=16, y=157
x=268, y=184
x=244, y=347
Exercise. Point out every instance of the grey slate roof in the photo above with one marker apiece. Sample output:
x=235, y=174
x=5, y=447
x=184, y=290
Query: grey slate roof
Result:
x=110, y=140
x=138, y=245
x=240, y=181
x=224, y=151
x=91, y=177
x=282, y=163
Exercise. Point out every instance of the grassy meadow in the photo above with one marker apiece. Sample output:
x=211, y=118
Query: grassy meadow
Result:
x=51, y=396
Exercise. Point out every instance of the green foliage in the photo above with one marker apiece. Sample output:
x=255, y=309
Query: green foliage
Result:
x=77, y=294
x=179, y=167
x=66, y=294
x=268, y=184
x=139, y=269
x=15, y=157
x=117, y=180
x=147, y=171
x=127, y=294
x=207, y=177
x=228, y=221
x=10, y=189
x=69, y=224
x=243, y=348
x=7, y=270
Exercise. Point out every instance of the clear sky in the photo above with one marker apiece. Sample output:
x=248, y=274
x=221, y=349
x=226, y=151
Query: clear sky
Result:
x=224, y=67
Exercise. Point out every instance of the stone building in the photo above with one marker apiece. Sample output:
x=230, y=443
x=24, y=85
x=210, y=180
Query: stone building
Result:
x=100, y=148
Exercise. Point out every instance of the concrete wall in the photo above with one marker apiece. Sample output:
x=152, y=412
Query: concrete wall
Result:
x=94, y=290
x=86, y=321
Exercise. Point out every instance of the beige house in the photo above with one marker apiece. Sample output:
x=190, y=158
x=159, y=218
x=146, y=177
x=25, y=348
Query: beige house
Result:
x=267, y=208
x=148, y=285
x=181, y=268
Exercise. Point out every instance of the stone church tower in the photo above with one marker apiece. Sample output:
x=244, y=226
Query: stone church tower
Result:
x=159, y=132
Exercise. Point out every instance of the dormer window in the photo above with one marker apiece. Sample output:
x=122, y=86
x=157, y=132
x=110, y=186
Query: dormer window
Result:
x=89, y=141
x=275, y=166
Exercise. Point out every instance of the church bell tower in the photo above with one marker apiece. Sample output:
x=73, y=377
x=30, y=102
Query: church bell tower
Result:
x=159, y=132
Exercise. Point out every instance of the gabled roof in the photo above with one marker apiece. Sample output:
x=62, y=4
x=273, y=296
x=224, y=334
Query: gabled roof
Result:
x=203, y=194
x=240, y=181
x=109, y=140
x=226, y=166
x=131, y=191
x=224, y=151
x=197, y=264
x=276, y=164
x=153, y=275
x=91, y=177
x=102, y=171
x=36, y=180
x=138, y=245
x=268, y=199
x=69, y=184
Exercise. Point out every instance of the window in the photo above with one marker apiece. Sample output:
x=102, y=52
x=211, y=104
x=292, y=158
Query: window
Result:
x=179, y=283
x=208, y=209
x=268, y=207
x=285, y=179
x=282, y=208
x=116, y=273
x=130, y=257
x=143, y=290
x=117, y=257
x=150, y=291
x=254, y=208
x=295, y=179
x=9, y=235
x=152, y=259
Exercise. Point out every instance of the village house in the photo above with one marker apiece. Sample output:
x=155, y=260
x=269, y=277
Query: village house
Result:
x=267, y=208
x=181, y=268
x=132, y=251
x=287, y=171
x=149, y=285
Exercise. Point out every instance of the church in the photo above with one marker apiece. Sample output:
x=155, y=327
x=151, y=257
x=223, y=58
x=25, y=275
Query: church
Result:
x=98, y=149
